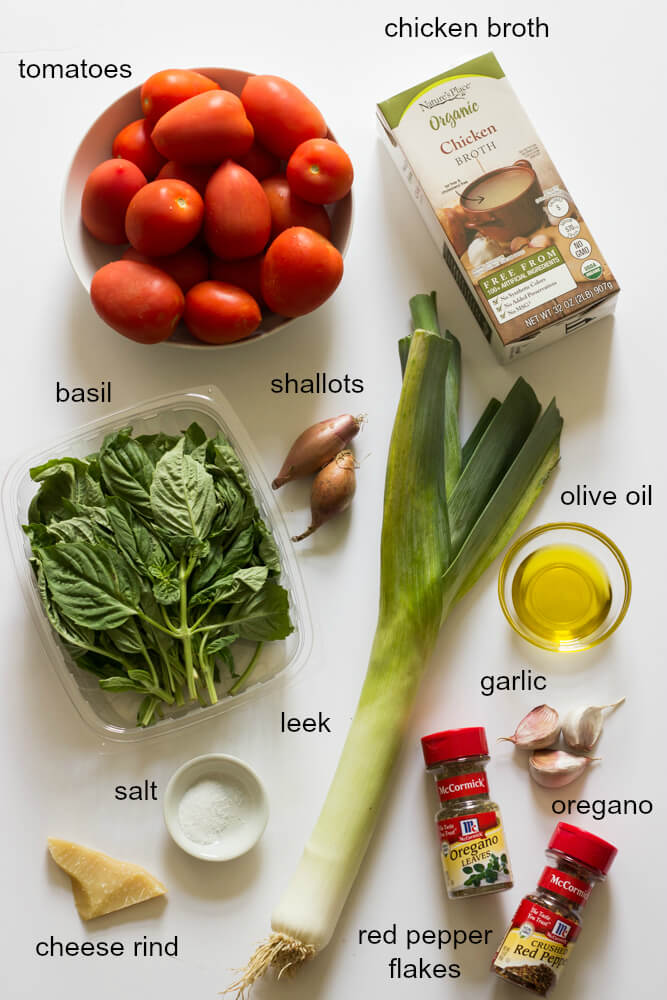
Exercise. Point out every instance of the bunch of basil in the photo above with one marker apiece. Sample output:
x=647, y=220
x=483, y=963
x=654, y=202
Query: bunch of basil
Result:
x=152, y=559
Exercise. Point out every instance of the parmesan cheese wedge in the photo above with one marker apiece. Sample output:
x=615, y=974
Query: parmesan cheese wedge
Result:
x=101, y=884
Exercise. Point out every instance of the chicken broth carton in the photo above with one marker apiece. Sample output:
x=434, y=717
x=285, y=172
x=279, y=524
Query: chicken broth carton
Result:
x=507, y=225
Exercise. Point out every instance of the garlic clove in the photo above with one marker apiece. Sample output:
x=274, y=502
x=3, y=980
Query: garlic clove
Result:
x=555, y=768
x=582, y=727
x=540, y=728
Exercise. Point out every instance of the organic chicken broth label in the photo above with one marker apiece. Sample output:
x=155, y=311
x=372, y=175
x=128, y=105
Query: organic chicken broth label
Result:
x=474, y=852
x=537, y=937
x=475, y=158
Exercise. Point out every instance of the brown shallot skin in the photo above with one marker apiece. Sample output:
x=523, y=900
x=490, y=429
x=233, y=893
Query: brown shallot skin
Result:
x=332, y=492
x=317, y=446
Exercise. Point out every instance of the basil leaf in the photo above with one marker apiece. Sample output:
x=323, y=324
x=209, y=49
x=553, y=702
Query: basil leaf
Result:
x=74, y=635
x=155, y=445
x=239, y=552
x=92, y=584
x=263, y=615
x=182, y=495
x=62, y=479
x=232, y=588
x=127, y=470
x=267, y=549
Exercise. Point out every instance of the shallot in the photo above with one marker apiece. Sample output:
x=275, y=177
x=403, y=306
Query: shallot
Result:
x=317, y=445
x=332, y=492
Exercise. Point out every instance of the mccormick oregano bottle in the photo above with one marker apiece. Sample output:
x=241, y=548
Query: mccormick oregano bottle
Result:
x=473, y=849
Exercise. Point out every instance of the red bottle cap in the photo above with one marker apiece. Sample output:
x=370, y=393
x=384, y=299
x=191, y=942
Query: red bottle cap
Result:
x=585, y=847
x=454, y=743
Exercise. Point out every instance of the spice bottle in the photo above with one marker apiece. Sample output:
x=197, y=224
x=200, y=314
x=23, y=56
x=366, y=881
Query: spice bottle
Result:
x=546, y=925
x=474, y=855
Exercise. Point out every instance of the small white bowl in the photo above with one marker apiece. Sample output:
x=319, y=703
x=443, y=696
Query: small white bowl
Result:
x=252, y=814
x=87, y=255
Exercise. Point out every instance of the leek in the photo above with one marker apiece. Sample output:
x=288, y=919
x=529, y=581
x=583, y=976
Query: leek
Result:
x=440, y=532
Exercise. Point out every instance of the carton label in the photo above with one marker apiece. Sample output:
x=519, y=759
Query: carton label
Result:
x=497, y=206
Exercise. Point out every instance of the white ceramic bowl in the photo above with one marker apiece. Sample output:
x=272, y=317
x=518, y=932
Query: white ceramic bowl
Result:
x=249, y=811
x=87, y=255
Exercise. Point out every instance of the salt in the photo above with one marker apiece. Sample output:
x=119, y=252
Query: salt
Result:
x=211, y=808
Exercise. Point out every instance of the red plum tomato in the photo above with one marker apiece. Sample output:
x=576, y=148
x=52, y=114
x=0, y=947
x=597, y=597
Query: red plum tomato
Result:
x=301, y=269
x=205, y=129
x=260, y=162
x=163, y=217
x=106, y=194
x=237, y=217
x=164, y=90
x=287, y=209
x=218, y=313
x=320, y=171
x=281, y=114
x=134, y=143
x=246, y=273
x=187, y=267
x=198, y=177
x=137, y=300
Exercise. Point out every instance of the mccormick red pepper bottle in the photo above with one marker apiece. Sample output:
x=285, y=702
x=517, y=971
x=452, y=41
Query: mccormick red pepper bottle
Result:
x=546, y=925
x=473, y=849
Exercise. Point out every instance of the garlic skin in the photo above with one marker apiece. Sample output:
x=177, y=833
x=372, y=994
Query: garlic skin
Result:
x=540, y=728
x=556, y=768
x=482, y=250
x=582, y=726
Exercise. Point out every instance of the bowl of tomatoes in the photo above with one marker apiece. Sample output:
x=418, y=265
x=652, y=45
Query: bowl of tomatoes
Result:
x=208, y=207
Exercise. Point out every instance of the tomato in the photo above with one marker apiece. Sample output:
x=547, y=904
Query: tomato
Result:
x=287, y=209
x=301, y=269
x=320, y=171
x=164, y=90
x=133, y=143
x=198, y=177
x=244, y=273
x=163, y=217
x=205, y=129
x=281, y=114
x=187, y=267
x=237, y=217
x=106, y=194
x=219, y=313
x=259, y=162
x=139, y=301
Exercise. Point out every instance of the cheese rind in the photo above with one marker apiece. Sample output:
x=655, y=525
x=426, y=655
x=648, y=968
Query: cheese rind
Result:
x=102, y=884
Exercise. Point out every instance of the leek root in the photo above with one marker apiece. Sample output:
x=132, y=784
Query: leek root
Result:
x=440, y=531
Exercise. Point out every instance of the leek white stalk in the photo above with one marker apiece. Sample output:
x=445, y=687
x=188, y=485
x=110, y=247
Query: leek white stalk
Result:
x=422, y=575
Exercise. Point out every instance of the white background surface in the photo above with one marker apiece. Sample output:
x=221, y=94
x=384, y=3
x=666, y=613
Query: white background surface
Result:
x=595, y=90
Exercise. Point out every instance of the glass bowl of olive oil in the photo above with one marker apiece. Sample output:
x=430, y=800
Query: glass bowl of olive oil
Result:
x=564, y=587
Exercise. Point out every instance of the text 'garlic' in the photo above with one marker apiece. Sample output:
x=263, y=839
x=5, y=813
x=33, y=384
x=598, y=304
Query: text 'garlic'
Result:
x=582, y=727
x=540, y=728
x=555, y=768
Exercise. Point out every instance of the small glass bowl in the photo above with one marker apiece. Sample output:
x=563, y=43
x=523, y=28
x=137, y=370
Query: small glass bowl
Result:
x=597, y=545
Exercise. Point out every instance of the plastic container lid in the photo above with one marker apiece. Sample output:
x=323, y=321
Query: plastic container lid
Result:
x=451, y=744
x=584, y=847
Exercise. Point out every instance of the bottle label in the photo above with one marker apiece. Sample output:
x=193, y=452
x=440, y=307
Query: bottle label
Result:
x=463, y=787
x=474, y=852
x=574, y=889
x=537, y=946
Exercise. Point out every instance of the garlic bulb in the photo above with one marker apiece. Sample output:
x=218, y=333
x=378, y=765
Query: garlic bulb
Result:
x=482, y=250
x=540, y=728
x=583, y=725
x=555, y=768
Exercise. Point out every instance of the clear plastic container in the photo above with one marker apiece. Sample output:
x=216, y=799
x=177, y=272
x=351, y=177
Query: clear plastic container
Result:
x=113, y=714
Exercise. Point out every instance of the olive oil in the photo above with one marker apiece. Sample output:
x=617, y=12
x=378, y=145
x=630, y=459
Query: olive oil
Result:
x=561, y=593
